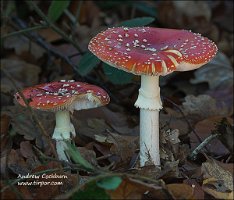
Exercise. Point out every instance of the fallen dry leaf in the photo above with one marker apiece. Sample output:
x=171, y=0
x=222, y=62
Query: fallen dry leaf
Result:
x=181, y=191
x=117, y=120
x=49, y=35
x=16, y=163
x=23, y=73
x=218, y=73
x=223, y=96
x=5, y=123
x=26, y=149
x=193, y=15
x=9, y=193
x=22, y=44
x=202, y=107
x=136, y=189
x=122, y=146
x=170, y=170
x=175, y=120
x=217, y=189
x=198, y=193
x=217, y=181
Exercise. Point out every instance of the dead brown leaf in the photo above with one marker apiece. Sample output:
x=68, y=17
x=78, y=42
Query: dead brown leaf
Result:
x=16, y=163
x=175, y=120
x=9, y=193
x=170, y=170
x=136, y=189
x=223, y=96
x=216, y=188
x=193, y=15
x=122, y=146
x=202, y=107
x=197, y=189
x=49, y=35
x=117, y=120
x=217, y=181
x=23, y=73
x=218, y=72
x=5, y=123
x=5, y=142
x=181, y=191
x=22, y=44
x=26, y=149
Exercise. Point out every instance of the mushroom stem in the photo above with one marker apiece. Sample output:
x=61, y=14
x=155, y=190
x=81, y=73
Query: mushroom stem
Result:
x=149, y=103
x=61, y=147
x=63, y=131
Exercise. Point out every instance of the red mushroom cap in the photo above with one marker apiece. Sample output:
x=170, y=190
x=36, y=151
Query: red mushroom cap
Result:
x=152, y=51
x=64, y=95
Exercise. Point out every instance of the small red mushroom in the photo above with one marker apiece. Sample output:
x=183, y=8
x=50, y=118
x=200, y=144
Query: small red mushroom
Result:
x=63, y=97
x=151, y=52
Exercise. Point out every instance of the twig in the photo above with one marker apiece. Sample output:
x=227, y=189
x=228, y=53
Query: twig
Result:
x=103, y=157
x=23, y=31
x=193, y=155
x=38, y=122
x=75, y=22
x=48, y=47
x=53, y=26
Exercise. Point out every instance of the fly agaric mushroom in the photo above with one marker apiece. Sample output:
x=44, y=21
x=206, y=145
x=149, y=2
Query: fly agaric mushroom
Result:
x=151, y=52
x=63, y=97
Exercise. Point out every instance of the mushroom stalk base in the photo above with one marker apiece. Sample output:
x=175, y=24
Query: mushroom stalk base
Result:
x=149, y=103
x=149, y=137
x=61, y=147
x=64, y=130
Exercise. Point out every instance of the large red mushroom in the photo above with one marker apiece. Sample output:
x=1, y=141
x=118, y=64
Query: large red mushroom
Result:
x=63, y=97
x=151, y=52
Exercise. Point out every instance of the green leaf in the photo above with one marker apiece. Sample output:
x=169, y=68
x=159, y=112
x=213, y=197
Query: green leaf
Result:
x=92, y=192
x=87, y=63
x=76, y=156
x=140, y=21
x=56, y=9
x=109, y=183
x=117, y=76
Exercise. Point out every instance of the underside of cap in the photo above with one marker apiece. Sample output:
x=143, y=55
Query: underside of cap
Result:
x=152, y=51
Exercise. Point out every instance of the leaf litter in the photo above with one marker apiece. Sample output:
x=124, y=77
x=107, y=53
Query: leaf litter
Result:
x=108, y=137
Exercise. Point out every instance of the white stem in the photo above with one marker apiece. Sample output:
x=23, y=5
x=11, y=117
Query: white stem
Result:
x=149, y=103
x=64, y=130
x=149, y=137
x=61, y=147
